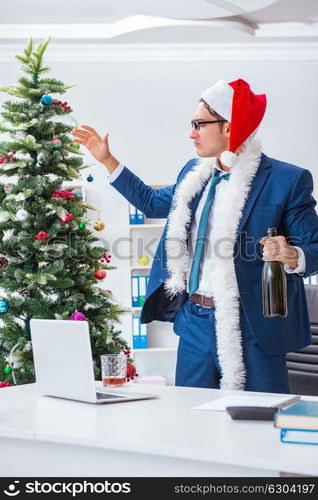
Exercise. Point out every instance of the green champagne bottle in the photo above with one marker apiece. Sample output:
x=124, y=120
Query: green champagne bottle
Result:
x=274, y=287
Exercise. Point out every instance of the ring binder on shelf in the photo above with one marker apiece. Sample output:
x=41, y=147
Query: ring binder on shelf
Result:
x=139, y=331
x=132, y=215
x=135, y=291
x=140, y=217
x=136, y=331
x=142, y=289
x=143, y=342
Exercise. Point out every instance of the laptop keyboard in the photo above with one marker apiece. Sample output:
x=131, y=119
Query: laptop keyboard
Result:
x=104, y=395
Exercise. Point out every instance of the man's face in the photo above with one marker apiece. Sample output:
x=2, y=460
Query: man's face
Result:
x=209, y=141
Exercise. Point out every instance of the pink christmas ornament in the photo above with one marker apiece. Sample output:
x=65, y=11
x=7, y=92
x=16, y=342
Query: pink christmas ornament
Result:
x=78, y=316
x=56, y=143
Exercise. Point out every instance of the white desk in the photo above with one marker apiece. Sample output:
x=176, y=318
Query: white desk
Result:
x=42, y=436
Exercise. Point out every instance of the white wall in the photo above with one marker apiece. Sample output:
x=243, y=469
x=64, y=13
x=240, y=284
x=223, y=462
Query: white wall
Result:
x=147, y=106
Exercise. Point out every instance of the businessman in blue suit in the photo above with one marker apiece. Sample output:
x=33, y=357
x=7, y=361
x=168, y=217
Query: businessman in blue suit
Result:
x=206, y=274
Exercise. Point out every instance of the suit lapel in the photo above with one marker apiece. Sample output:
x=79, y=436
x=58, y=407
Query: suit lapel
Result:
x=257, y=185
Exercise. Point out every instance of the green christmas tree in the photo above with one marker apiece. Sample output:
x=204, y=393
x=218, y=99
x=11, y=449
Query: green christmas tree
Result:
x=48, y=253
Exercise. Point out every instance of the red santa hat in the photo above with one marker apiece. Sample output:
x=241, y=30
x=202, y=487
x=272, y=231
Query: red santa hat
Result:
x=236, y=103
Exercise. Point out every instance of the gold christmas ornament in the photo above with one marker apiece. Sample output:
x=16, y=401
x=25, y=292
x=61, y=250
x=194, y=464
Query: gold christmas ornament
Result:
x=99, y=225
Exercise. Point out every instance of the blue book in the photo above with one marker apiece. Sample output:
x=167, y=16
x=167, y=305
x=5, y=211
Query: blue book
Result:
x=299, y=436
x=301, y=415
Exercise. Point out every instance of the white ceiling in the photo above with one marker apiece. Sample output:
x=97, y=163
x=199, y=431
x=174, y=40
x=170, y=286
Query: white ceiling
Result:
x=109, y=11
x=149, y=21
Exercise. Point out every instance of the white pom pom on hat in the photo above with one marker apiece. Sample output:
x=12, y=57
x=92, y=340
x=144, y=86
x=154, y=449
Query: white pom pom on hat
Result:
x=228, y=158
x=237, y=104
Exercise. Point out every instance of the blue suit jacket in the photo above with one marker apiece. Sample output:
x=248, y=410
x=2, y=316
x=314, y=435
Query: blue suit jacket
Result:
x=280, y=197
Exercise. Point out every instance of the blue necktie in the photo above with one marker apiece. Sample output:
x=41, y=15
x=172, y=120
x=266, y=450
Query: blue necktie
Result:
x=203, y=224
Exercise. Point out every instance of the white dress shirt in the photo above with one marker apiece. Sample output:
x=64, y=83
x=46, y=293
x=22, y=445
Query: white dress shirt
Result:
x=206, y=266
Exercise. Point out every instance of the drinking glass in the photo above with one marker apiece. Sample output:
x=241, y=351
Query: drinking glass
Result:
x=114, y=369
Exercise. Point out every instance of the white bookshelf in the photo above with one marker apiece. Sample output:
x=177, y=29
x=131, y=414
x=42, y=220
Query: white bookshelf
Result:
x=152, y=350
x=145, y=226
x=159, y=358
x=140, y=268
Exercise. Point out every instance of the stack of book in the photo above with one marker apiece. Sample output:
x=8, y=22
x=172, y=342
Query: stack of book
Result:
x=298, y=423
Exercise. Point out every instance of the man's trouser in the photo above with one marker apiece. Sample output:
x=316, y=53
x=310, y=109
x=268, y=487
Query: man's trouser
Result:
x=197, y=360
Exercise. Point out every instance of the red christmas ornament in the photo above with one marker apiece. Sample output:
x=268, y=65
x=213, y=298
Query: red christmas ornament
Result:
x=4, y=384
x=131, y=371
x=100, y=274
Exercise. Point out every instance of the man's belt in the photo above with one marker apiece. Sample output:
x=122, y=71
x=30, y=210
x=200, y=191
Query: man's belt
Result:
x=204, y=301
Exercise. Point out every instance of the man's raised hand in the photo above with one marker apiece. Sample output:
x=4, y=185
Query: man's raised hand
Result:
x=96, y=145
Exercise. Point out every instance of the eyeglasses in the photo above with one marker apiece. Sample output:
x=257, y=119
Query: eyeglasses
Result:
x=197, y=124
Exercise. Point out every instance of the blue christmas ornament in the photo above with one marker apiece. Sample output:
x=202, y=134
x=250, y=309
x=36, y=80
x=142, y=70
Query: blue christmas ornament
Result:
x=46, y=100
x=4, y=306
x=90, y=178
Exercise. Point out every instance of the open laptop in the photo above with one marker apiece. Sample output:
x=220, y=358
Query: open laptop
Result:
x=64, y=365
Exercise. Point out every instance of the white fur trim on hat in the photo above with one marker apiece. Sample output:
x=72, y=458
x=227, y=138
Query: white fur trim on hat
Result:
x=219, y=96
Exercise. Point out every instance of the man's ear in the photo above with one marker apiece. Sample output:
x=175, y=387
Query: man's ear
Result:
x=227, y=127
